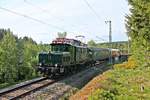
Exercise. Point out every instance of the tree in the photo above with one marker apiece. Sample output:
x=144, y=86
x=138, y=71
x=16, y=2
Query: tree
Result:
x=18, y=57
x=2, y=33
x=92, y=43
x=138, y=29
x=8, y=60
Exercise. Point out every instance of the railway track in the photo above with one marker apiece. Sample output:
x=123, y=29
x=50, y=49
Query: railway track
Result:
x=67, y=86
x=29, y=88
x=25, y=89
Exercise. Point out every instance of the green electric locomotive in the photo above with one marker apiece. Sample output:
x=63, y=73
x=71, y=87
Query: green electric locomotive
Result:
x=66, y=55
x=69, y=55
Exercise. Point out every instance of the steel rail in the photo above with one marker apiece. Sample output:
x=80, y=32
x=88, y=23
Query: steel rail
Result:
x=21, y=86
x=5, y=95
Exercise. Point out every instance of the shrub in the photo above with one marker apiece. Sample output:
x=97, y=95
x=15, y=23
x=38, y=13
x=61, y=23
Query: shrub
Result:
x=102, y=94
x=131, y=64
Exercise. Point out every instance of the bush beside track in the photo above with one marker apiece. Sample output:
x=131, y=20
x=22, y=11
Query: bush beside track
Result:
x=127, y=82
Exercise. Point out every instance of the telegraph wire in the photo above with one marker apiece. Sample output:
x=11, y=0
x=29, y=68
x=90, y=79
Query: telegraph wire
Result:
x=32, y=18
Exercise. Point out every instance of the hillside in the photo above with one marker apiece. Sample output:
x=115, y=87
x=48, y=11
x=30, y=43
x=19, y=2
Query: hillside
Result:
x=117, y=84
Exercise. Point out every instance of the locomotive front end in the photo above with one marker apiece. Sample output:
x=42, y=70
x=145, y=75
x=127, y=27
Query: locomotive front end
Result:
x=56, y=61
x=50, y=63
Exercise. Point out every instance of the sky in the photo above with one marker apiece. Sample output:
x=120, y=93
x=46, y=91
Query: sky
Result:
x=73, y=16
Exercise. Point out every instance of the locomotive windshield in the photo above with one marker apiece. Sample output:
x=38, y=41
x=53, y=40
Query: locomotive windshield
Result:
x=60, y=47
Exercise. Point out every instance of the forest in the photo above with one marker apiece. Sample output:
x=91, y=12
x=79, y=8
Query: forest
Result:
x=18, y=58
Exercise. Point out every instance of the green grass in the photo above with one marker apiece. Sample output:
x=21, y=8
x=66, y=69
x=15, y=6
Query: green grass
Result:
x=124, y=84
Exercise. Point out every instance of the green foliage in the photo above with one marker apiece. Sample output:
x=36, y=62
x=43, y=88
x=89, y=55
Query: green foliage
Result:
x=4, y=85
x=8, y=58
x=138, y=27
x=92, y=43
x=132, y=84
x=3, y=32
x=103, y=95
x=18, y=57
x=130, y=64
x=124, y=84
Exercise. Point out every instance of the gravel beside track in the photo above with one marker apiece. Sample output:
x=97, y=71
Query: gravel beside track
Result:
x=24, y=90
x=19, y=85
x=73, y=83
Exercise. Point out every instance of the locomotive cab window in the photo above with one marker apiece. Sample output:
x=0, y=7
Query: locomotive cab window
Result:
x=60, y=47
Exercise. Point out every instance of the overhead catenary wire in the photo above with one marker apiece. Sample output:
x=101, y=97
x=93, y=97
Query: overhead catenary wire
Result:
x=49, y=13
x=101, y=38
x=32, y=18
x=38, y=7
x=92, y=9
x=46, y=11
x=96, y=15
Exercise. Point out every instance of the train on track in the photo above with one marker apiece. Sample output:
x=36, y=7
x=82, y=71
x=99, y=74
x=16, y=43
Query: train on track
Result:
x=69, y=55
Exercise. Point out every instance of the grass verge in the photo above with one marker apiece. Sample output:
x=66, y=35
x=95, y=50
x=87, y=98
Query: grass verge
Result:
x=124, y=84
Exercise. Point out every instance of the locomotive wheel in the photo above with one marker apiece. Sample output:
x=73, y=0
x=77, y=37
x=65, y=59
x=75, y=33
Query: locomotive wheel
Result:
x=65, y=71
x=71, y=70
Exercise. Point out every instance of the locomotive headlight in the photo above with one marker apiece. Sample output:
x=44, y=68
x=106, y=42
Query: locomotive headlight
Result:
x=40, y=64
x=56, y=65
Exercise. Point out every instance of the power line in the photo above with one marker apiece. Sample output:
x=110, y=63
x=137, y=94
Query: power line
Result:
x=101, y=38
x=45, y=11
x=32, y=18
x=92, y=9
x=35, y=6
x=48, y=12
